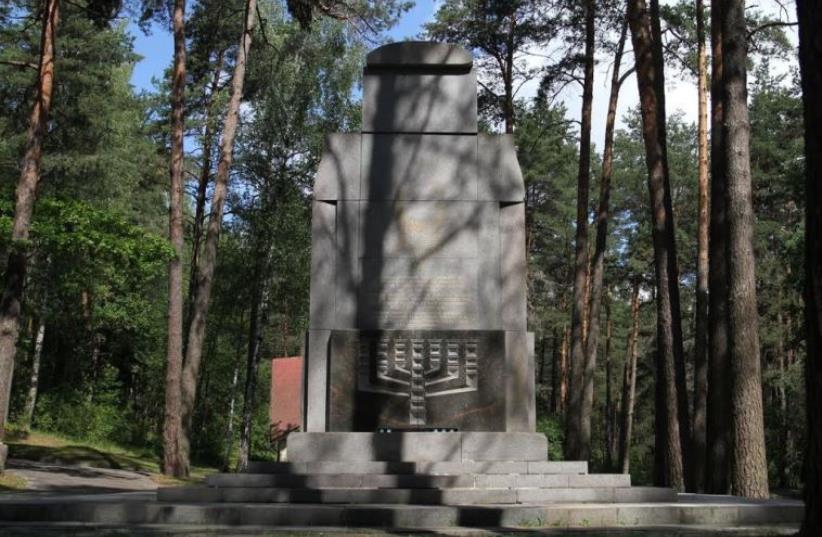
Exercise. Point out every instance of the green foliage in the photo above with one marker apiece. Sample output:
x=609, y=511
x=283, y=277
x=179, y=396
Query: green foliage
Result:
x=500, y=34
x=75, y=416
x=553, y=429
x=778, y=181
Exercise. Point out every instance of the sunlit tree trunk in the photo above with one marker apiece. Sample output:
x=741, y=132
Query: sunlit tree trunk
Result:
x=749, y=464
x=25, y=196
x=208, y=261
x=229, y=432
x=34, y=375
x=672, y=436
x=629, y=384
x=203, y=181
x=174, y=461
x=259, y=319
x=598, y=262
x=698, y=444
x=578, y=421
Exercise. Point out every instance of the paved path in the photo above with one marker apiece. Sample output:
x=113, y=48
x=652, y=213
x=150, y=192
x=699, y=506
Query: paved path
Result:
x=44, y=478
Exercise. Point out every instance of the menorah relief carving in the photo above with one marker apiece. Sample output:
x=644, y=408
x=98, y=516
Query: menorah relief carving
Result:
x=418, y=369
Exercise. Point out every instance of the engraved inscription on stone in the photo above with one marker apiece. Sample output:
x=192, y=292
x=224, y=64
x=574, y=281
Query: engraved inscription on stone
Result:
x=414, y=368
x=422, y=229
x=442, y=292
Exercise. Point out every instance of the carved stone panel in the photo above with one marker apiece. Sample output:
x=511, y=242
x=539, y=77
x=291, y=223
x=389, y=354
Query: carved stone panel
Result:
x=406, y=379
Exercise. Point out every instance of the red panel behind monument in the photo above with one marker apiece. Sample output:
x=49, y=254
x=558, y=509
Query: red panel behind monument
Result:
x=286, y=395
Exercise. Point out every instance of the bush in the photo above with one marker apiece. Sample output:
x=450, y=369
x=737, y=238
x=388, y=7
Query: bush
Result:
x=551, y=427
x=76, y=416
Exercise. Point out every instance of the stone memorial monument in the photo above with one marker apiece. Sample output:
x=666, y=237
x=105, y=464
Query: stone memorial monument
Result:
x=418, y=306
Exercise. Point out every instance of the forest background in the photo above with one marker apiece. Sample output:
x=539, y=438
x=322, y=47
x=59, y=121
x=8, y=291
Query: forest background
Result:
x=91, y=359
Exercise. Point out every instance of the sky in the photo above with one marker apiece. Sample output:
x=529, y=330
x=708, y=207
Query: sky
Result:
x=681, y=96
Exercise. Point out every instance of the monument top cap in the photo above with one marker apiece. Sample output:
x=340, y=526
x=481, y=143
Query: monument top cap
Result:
x=415, y=54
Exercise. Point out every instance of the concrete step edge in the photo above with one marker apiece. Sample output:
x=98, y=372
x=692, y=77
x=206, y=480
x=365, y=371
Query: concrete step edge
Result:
x=425, y=467
x=722, y=515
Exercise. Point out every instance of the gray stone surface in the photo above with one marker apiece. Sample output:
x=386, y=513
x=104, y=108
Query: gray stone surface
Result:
x=419, y=467
x=423, y=229
x=419, y=167
x=338, y=175
x=700, y=517
x=417, y=54
x=520, y=406
x=397, y=101
x=429, y=265
x=500, y=178
x=601, y=480
x=348, y=275
x=558, y=467
x=460, y=479
x=338, y=446
x=516, y=446
x=419, y=225
x=417, y=446
x=512, y=266
x=629, y=494
x=316, y=381
x=323, y=265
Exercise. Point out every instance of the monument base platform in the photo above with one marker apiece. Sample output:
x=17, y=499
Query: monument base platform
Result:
x=417, y=446
x=138, y=514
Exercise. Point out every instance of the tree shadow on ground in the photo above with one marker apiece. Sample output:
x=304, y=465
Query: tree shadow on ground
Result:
x=77, y=455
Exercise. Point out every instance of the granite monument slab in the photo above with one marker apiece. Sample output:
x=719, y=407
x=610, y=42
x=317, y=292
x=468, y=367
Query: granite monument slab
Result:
x=418, y=312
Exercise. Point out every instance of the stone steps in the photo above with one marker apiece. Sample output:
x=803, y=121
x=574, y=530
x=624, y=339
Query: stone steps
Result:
x=419, y=467
x=417, y=496
x=726, y=513
x=62, y=529
x=415, y=481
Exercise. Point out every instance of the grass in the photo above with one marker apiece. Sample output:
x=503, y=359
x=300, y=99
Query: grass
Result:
x=9, y=482
x=50, y=448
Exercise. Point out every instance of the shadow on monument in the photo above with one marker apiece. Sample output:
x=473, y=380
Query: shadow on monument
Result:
x=417, y=229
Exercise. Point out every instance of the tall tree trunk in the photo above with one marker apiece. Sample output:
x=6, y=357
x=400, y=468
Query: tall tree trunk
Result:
x=718, y=463
x=578, y=422
x=698, y=444
x=555, y=372
x=34, y=375
x=540, y=375
x=598, y=262
x=205, y=176
x=750, y=466
x=629, y=384
x=810, y=63
x=563, y=369
x=174, y=461
x=259, y=317
x=25, y=196
x=208, y=262
x=782, y=401
x=229, y=432
x=609, y=399
x=672, y=426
